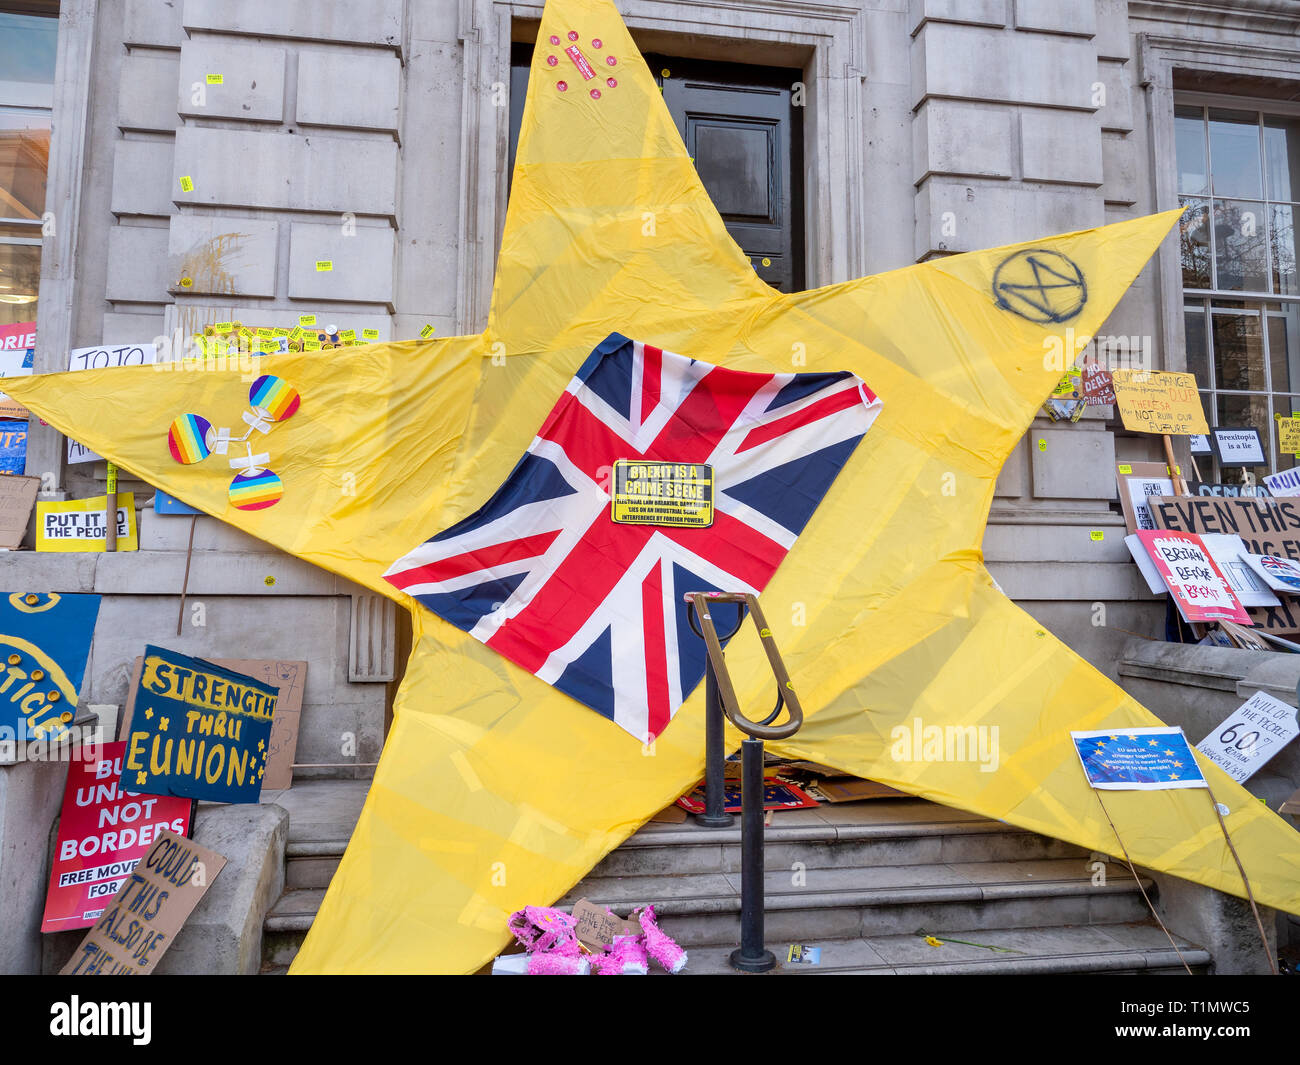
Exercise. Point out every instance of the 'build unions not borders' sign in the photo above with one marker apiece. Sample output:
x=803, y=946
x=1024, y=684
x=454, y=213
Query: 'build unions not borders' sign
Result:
x=198, y=730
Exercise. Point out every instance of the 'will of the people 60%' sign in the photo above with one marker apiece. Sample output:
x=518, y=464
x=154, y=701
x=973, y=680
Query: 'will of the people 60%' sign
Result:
x=1250, y=735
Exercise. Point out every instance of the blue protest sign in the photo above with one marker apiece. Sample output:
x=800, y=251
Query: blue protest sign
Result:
x=198, y=730
x=165, y=504
x=13, y=447
x=44, y=642
x=1141, y=759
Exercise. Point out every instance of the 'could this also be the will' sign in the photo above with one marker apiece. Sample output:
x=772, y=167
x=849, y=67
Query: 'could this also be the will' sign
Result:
x=198, y=730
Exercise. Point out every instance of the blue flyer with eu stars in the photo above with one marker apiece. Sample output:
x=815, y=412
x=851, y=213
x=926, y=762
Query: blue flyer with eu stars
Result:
x=198, y=730
x=1138, y=759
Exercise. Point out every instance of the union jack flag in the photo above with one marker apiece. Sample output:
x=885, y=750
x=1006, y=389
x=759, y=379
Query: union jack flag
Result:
x=543, y=574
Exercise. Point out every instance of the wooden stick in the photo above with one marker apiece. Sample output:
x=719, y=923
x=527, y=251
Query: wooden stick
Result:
x=110, y=510
x=185, y=582
x=1242, y=870
x=1180, y=486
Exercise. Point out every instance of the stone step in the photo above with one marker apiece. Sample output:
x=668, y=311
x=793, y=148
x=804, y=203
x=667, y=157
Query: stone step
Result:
x=1129, y=948
x=884, y=832
x=704, y=908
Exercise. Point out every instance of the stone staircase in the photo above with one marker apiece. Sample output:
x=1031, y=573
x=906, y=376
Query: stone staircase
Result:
x=858, y=880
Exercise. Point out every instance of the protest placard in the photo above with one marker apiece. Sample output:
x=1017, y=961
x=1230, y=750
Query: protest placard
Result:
x=99, y=358
x=290, y=680
x=1284, y=482
x=1288, y=435
x=1239, y=447
x=1137, y=759
x=1139, y=481
x=1280, y=574
x=1097, y=387
x=13, y=447
x=1250, y=735
x=198, y=729
x=140, y=923
x=78, y=524
x=44, y=643
x=1198, y=587
x=1163, y=402
x=17, y=357
x=103, y=833
x=1266, y=527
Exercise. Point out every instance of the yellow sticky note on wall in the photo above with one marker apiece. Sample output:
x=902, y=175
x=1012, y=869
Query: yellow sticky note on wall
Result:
x=324, y=266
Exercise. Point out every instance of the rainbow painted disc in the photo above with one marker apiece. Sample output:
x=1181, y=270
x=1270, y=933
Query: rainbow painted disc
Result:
x=256, y=491
x=187, y=438
x=275, y=396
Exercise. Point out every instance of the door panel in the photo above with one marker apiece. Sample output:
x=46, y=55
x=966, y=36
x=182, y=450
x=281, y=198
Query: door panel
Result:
x=745, y=135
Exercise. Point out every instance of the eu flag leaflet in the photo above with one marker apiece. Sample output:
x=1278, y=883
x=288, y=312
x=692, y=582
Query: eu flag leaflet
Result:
x=1138, y=759
x=653, y=476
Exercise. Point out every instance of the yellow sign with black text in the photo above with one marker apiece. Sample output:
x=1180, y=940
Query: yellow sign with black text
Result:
x=672, y=494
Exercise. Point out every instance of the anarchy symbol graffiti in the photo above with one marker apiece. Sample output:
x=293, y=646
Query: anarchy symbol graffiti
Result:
x=1040, y=285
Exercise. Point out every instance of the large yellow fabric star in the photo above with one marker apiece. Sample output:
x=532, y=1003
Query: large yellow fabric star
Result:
x=495, y=790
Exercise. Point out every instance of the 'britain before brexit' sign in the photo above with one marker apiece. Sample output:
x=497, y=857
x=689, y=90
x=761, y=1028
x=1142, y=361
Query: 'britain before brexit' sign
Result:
x=198, y=730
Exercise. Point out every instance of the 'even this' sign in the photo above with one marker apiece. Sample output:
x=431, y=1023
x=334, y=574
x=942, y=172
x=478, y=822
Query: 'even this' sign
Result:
x=1164, y=402
x=141, y=921
x=1250, y=735
x=198, y=730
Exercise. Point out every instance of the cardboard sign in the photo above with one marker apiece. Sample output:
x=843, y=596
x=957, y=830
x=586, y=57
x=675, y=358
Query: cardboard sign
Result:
x=1239, y=447
x=1163, y=402
x=1284, y=482
x=596, y=927
x=44, y=643
x=1288, y=435
x=103, y=832
x=13, y=447
x=678, y=495
x=1138, y=482
x=1250, y=735
x=198, y=729
x=1280, y=574
x=17, y=498
x=290, y=678
x=1137, y=759
x=99, y=358
x=1266, y=526
x=1097, y=386
x=1197, y=585
x=141, y=921
x=78, y=524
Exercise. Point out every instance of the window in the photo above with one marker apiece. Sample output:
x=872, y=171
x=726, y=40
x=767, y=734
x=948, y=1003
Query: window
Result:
x=1239, y=175
x=27, y=48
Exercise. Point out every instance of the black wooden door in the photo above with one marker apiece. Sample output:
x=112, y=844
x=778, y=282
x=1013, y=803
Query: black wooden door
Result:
x=741, y=126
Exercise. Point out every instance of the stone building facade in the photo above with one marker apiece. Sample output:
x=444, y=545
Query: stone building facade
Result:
x=205, y=155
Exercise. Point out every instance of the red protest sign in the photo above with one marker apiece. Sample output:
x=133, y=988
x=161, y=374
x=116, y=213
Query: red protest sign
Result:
x=1098, y=387
x=103, y=833
x=1198, y=587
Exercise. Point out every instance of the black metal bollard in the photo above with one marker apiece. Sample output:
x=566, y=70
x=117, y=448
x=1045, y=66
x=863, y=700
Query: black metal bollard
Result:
x=715, y=815
x=752, y=957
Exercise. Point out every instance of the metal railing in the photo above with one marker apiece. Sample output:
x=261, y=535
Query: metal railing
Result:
x=720, y=700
